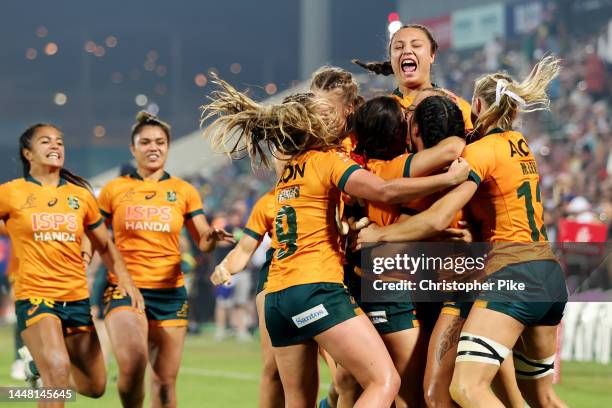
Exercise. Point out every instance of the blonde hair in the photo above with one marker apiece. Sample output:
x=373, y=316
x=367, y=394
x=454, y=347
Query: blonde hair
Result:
x=241, y=125
x=329, y=78
x=505, y=97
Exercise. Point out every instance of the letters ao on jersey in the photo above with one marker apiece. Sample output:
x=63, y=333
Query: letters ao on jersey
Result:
x=522, y=150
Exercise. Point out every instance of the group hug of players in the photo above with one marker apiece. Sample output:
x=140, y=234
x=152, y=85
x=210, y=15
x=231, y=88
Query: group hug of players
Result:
x=421, y=148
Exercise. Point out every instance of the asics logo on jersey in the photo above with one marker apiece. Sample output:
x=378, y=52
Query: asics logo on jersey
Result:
x=150, y=195
x=52, y=202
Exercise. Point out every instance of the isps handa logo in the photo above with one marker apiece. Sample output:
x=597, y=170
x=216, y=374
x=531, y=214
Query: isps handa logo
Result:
x=148, y=218
x=54, y=227
x=73, y=203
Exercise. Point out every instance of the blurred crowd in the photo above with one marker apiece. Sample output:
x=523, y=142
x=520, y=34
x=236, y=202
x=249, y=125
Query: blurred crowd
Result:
x=573, y=142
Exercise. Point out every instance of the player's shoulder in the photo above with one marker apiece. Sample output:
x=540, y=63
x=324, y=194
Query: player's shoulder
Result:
x=17, y=182
x=400, y=159
x=178, y=183
x=502, y=137
x=118, y=182
x=179, y=186
x=461, y=102
x=269, y=196
x=265, y=202
x=320, y=158
x=478, y=146
x=13, y=188
x=76, y=190
x=372, y=164
x=514, y=134
x=495, y=140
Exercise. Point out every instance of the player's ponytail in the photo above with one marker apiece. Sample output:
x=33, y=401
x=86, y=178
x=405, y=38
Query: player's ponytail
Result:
x=242, y=126
x=377, y=67
x=25, y=143
x=75, y=179
x=506, y=97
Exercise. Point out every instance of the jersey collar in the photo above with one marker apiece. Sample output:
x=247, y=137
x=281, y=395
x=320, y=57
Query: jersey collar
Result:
x=399, y=93
x=137, y=176
x=495, y=130
x=33, y=180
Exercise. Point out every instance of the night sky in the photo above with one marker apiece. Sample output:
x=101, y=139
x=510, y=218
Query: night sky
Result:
x=154, y=49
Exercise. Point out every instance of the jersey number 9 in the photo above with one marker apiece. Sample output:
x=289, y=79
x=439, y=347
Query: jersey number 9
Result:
x=287, y=238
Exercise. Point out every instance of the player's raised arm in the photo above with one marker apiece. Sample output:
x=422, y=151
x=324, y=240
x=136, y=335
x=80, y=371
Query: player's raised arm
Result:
x=423, y=225
x=366, y=185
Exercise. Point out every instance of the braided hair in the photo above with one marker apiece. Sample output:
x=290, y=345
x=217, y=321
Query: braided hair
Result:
x=329, y=78
x=438, y=117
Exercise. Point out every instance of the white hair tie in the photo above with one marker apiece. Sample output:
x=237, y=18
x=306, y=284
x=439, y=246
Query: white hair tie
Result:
x=502, y=89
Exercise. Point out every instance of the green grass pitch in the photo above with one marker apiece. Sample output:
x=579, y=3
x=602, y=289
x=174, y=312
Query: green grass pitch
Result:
x=226, y=374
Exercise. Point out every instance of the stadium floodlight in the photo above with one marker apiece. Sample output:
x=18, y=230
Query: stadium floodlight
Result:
x=394, y=26
x=60, y=99
x=153, y=108
x=99, y=131
x=141, y=100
